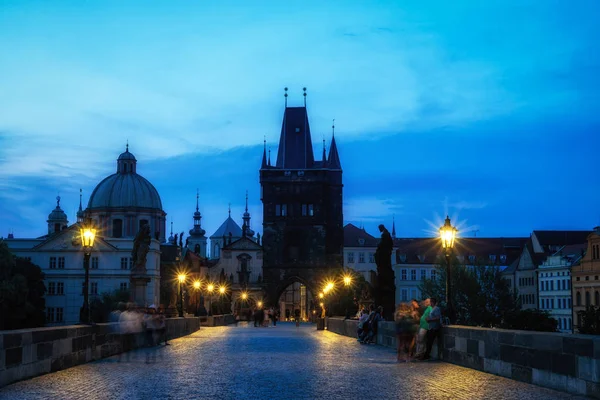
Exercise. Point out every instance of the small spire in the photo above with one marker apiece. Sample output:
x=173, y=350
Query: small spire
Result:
x=171, y=226
x=333, y=128
x=264, y=159
x=324, y=153
x=285, y=95
x=246, y=200
x=80, y=196
x=269, y=160
x=57, y=201
x=304, y=90
x=229, y=210
x=197, y=197
x=394, y=226
x=127, y=147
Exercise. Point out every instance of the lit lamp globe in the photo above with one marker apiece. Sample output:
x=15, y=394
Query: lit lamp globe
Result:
x=210, y=287
x=88, y=235
x=448, y=234
x=244, y=296
x=196, y=285
x=181, y=278
x=222, y=290
x=347, y=280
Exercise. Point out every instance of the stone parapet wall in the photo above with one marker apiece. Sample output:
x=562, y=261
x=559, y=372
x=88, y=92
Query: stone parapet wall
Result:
x=32, y=352
x=565, y=362
x=386, y=332
x=218, y=320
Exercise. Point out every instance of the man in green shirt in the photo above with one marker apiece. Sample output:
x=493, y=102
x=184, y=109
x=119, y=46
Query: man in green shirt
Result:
x=423, y=328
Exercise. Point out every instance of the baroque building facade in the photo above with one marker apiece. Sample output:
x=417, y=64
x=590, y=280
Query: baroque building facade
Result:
x=119, y=205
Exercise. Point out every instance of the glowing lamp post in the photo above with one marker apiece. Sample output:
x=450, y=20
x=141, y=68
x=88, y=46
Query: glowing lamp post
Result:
x=88, y=235
x=448, y=235
x=347, y=280
x=181, y=279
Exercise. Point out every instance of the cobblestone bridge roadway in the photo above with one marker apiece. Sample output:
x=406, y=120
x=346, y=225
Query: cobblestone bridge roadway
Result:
x=284, y=362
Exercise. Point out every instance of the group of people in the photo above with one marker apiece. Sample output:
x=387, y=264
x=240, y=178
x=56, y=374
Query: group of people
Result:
x=417, y=328
x=265, y=317
x=139, y=326
x=367, y=324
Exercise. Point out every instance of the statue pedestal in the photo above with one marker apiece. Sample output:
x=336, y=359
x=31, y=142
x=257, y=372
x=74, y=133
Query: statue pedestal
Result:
x=137, y=289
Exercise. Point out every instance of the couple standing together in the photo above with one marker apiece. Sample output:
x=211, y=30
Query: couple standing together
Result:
x=416, y=329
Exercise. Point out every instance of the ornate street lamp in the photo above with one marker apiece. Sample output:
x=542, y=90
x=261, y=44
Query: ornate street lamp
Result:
x=448, y=235
x=181, y=278
x=88, y=235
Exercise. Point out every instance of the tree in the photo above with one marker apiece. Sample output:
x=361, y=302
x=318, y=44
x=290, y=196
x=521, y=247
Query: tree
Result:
x=100, y=308
x=529, y=320
x=590, y=320
x=481, y=296
x=22, y=289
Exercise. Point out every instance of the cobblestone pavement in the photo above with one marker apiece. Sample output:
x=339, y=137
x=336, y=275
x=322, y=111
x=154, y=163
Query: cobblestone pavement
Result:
x=284, y=362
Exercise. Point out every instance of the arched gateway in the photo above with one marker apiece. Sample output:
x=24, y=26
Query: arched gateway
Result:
x=302, y=209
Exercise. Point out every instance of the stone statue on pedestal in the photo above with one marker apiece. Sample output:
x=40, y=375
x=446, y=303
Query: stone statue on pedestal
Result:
x=385, y=286
x=141, y=246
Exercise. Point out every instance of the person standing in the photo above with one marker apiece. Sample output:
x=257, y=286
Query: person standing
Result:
x=435, y=328
x=423, y=328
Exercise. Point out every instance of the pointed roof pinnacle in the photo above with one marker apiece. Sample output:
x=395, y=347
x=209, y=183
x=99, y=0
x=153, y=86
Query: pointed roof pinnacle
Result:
x=324, y=153
x=264, y=158
x=246, y=200
x=394, y=226
x=80, y=195
x=230, y=210
x=285, y=95
x=304, y=90
x=269, y=159
x=334, y=157
x=197, y=197
x=127, y=146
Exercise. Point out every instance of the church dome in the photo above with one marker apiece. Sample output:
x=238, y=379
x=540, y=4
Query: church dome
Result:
x=125, y=189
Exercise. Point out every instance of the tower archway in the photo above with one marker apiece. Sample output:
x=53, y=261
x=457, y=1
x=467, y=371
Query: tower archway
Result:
x=294, y=300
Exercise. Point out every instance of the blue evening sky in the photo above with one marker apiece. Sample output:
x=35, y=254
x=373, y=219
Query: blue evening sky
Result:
x=487, y=110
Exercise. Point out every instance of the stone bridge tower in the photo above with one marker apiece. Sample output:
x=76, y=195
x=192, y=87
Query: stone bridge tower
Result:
x=302, y=209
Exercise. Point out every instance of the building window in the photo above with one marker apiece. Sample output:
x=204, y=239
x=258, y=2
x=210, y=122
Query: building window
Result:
x=142, y=223
x=123, y=286
x=117, y=228
x=351, y=257
x=124, y=261
x=423, y=274
x=587, y=299
x=60, y=288
x=361, y=257
x=61, y=263
x=280, y=210
x=51, y=288
x=50, y=315
x=578, y=298
x=404, y=295
x=492, y=258
x=433, y=274
x=372, y=258
x=307, y=210
x=59, y=314
x=52, y=262
x=413, y=274
x=94, y=263
x=403, y=275
x=94, y=288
